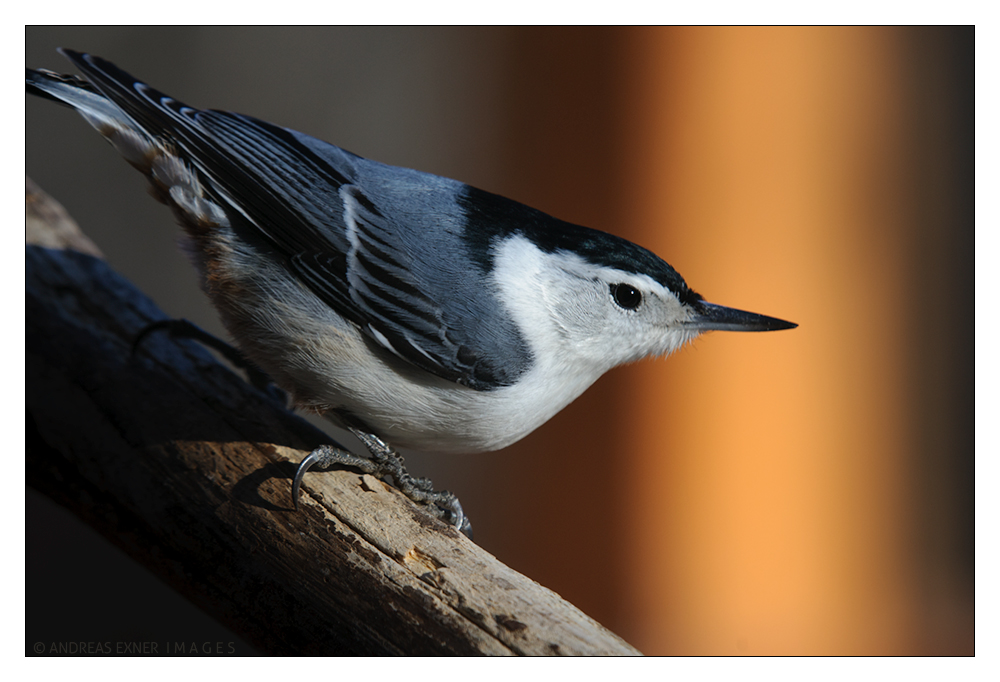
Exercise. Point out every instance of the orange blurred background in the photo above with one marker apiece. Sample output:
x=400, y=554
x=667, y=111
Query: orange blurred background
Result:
x=784, y=472
x=802, y=492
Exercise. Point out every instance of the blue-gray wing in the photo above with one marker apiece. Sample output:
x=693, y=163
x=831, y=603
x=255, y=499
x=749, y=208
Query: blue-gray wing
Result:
x=373, y=280
x=337, y=219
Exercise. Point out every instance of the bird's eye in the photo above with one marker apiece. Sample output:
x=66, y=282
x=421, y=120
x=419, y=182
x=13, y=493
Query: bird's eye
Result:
x=626, y=296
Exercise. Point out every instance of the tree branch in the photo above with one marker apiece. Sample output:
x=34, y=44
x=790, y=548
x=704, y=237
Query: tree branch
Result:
x=187, y=468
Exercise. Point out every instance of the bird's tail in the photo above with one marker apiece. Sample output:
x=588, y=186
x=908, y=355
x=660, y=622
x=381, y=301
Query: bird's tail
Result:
x=104, y=99
x=79, y=94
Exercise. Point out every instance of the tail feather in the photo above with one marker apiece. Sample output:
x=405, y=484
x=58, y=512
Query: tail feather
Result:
x=111, y=101
x=153, y=111
x=77, y=93
x=44, y=83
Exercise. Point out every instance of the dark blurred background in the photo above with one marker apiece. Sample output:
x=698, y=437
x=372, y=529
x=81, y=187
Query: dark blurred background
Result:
x=808, y=492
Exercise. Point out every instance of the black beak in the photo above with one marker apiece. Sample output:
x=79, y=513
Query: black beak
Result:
x=710, y=316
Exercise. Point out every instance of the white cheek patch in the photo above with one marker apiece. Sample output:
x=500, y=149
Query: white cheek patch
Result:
x=547, y=303
x=564, y=304
x=518, y=265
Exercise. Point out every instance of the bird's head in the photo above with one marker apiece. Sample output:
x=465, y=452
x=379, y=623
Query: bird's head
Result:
x=605, y=301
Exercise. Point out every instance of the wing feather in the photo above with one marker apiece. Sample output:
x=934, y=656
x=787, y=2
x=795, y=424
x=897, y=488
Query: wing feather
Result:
x=307, y=205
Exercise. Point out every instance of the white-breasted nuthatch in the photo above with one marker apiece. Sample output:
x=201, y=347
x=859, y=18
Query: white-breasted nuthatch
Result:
x=416, y=310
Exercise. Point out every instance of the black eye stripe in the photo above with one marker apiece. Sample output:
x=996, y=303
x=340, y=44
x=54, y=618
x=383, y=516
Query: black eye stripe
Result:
x=626, y=296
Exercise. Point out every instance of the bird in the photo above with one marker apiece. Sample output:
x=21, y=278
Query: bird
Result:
x=417, y=311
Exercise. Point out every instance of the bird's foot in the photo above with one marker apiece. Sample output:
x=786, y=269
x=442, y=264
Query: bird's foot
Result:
x=387, y=463
x=384, y=462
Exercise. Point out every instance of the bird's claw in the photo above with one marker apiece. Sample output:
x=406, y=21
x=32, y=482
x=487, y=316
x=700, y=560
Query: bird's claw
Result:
x=385, y=462
x=325, y=456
